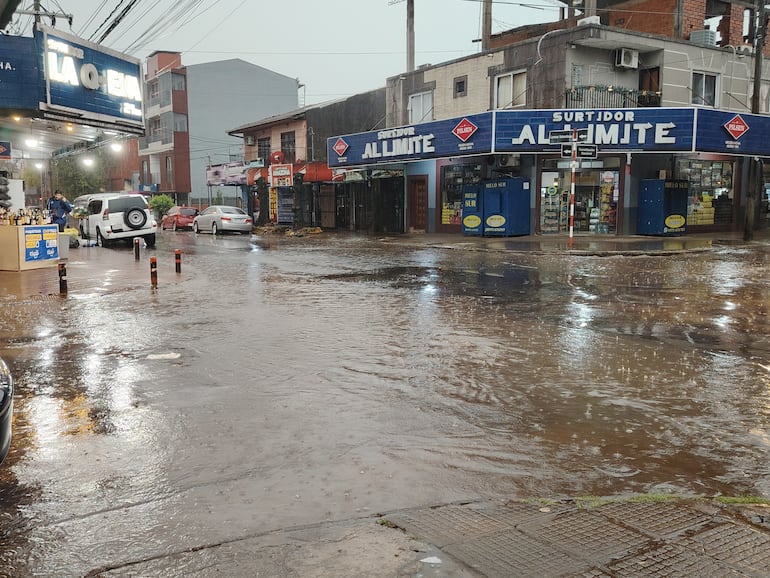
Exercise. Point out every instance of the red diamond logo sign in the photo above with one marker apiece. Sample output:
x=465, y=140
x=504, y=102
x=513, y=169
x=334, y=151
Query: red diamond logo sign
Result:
x=340, y=147
x=464, y=129
x=736, y=126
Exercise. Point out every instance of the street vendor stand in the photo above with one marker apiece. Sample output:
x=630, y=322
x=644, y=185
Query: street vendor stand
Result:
x=28, y=247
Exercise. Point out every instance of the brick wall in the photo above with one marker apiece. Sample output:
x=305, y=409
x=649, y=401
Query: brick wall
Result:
x=649, y=16
x=693, y=16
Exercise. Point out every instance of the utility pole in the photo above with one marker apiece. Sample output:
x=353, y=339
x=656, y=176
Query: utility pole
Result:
x=410, y=35
x=486, y=27
x=755, y=178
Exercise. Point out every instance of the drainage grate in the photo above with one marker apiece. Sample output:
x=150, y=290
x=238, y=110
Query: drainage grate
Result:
x=446, y=525
x=741, y=547
x=591, y=536
x=658, y=519
x=512, y=553
x=671, y=561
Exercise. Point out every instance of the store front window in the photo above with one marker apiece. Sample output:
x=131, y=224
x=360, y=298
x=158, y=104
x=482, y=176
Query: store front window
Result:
x=453, y=179
x=597, y=190
x=710, y=197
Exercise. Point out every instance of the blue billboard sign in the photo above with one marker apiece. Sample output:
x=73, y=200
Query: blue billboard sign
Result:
x=624, y=129
x=646, y=130
x=20, y=79
x=89, y=81
x=729, y=132
x=468, y=135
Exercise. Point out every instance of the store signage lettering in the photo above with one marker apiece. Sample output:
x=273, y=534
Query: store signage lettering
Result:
x=736, y=127
x=674, y=224
x=464, y=129
x=63, y=64
x=605, y=128
x=398, y=142
x=340, y=147
x=41, y=243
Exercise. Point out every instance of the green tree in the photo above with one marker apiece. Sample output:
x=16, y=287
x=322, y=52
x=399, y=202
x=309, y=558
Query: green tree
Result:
x=32, y=178
x=73, y=178
x=160, y=204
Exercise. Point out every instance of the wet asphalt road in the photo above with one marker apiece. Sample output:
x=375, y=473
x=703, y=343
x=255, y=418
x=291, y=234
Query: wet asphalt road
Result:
x=277, y=382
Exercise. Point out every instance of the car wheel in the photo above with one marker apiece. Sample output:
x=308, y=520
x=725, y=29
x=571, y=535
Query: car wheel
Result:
x=195, y=228
x=83, y=233
x=214, y=230
x=135, y=218
x=100, y=240
x=150, y=240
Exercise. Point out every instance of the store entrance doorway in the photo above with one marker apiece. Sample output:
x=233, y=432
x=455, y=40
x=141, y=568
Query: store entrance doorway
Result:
x=597, y=192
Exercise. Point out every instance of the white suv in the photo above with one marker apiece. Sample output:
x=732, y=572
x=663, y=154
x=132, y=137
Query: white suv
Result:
x=108, y=217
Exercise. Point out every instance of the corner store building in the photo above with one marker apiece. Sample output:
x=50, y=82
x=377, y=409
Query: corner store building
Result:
x=707, y=147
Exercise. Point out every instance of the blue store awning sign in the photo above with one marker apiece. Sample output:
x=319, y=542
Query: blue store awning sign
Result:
x=646, y=130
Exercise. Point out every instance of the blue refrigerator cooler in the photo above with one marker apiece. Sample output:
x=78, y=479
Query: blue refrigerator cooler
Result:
x=662, y=207
x=472, y=213
x=505, y=205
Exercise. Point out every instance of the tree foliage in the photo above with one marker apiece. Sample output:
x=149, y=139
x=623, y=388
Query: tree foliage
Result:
x=73, y=179
x=160, y=204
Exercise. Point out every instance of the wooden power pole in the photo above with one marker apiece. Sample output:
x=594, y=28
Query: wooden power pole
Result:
x=755, y=177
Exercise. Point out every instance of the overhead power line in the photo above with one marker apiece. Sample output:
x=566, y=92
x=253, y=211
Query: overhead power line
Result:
x=117, y=21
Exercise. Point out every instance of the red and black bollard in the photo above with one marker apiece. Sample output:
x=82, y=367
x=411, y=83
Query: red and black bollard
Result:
x=62, y=279
x=154, y=271
x=136, y=248
x=178, y=260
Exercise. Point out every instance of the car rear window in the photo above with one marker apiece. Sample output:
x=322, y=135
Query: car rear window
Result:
x=123, y=204
x=232, y=210
x=187, y=212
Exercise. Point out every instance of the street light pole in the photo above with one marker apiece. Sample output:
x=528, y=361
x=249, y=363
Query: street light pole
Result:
x=41, y=166
x=755, y=179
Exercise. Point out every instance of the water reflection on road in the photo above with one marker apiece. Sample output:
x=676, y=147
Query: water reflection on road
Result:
x=285, y=381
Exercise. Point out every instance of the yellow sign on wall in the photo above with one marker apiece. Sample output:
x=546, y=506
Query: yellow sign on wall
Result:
x=273, y=204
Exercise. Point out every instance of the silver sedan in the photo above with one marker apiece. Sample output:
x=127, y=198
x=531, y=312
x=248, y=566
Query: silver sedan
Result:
x=221, y=219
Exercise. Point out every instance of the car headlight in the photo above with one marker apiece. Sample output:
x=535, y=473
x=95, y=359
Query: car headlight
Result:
x=6, y=385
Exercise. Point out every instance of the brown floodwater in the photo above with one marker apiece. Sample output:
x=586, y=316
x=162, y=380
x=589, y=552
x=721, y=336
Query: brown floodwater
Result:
x=277, y=382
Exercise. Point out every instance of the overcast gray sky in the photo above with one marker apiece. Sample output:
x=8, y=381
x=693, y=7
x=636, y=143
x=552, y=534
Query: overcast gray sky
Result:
x=335, y=48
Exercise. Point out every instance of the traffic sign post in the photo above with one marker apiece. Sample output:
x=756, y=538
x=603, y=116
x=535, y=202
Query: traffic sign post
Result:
x=586, y=151
x=560, y=136
x=573, y=146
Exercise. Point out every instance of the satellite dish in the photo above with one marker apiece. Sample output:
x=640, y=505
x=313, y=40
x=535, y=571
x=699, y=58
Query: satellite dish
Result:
x=276, y=158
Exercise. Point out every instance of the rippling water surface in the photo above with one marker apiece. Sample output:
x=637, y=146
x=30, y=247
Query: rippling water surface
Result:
x=277, y=382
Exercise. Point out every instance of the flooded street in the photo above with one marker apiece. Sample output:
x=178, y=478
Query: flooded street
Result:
x=277, y=382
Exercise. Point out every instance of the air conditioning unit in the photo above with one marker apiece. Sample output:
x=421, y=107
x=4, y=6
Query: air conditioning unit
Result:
x=706, y=37
x=508, y=160
x=626, y=58
x=251, y=140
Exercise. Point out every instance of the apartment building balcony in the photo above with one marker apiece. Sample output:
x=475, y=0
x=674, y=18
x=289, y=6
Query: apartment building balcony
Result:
x=610, y=97
x=156, y=141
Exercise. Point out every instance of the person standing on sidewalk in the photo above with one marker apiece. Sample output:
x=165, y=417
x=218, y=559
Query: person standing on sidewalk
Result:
x=58, y=208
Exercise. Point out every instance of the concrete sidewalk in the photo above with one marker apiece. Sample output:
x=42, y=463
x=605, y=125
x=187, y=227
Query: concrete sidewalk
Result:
x=584, y=244
x=610, y=538
x=616, y=538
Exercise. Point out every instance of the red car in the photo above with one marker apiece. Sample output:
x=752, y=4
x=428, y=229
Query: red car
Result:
x=178, y=218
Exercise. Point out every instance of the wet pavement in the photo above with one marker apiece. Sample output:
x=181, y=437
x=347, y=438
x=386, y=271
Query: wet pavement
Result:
x=415, y=405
